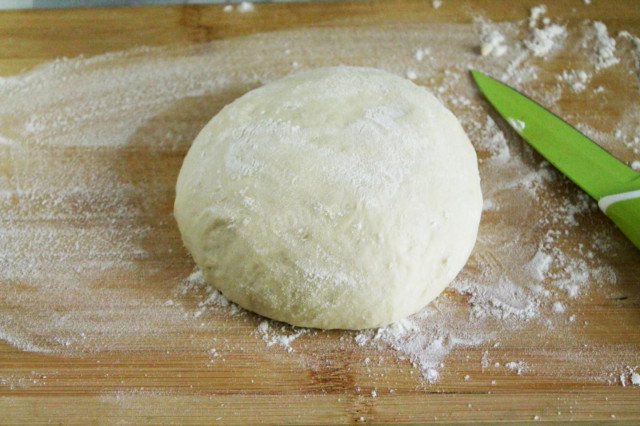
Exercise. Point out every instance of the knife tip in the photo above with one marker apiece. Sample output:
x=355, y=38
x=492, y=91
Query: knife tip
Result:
x=477, y=74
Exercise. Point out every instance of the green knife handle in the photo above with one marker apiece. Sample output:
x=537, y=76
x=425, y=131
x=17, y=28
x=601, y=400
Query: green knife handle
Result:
x=625, y=213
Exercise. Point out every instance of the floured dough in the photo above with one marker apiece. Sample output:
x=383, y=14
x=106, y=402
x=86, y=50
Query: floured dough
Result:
x=339, y=197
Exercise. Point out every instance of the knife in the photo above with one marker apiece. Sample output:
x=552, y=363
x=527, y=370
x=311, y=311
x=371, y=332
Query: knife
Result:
x=613, y=184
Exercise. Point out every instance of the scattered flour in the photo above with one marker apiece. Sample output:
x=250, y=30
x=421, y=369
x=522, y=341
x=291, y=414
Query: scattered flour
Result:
x=535, y=13
x=576, y=79
x=83, y=229
x=629, y=376
x=420, y=54
x=493, y=43
x=558, y=307
x=503, y=300
x=635, y=45
x=605, y=47
x=544, y=40
x=519, y=367
x=539, y=265
x=246, y=6
x=282, y=336
x=493, y=141
x=518, y=125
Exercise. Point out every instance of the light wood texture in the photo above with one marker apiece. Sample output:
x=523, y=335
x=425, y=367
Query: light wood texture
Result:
x=155, y=385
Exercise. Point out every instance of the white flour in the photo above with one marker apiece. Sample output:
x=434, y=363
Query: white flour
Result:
x=245, y=7
x=543, y=40
x=535, y=13
x=605, y=47
x=493, y=44
x=90, y=258
x=492, y=41
x=576, y=79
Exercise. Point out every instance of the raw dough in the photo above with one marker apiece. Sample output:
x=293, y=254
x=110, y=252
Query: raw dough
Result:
x=339, y=197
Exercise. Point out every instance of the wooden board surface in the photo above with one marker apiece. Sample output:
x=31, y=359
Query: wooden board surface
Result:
x=171, y=383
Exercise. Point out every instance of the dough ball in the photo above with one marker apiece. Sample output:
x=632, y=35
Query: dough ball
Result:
x=339, y=197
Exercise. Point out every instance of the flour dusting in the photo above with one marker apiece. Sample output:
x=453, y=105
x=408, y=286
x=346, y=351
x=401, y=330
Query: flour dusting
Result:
x=605, y=47
x=245, y=6
x=492, y=40
x=91, y=258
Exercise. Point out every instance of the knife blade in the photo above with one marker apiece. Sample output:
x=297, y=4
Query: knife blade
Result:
x=608, y=180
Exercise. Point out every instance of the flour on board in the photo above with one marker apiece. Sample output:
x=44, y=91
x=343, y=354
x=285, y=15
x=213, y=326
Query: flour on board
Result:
x=79, y=225
x=604, y=52
x=535, y=13
x=245, y=7
x=546, y=38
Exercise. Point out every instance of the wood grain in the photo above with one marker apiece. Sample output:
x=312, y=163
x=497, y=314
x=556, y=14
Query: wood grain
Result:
x=153, y=384
x=29, y=37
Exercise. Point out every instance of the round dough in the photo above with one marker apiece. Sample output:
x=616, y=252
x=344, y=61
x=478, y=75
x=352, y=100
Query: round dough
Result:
x=340, y=197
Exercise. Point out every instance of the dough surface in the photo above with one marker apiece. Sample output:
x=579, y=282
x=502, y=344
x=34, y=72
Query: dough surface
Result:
x=340, y=197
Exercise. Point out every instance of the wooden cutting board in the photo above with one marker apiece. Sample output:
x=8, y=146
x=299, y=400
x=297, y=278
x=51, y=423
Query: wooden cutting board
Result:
x=169, y=382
